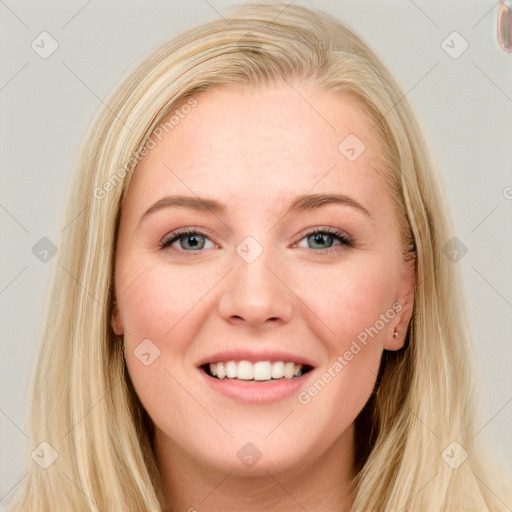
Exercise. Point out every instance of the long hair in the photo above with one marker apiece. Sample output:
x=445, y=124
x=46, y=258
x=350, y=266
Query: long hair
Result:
x=422, y=415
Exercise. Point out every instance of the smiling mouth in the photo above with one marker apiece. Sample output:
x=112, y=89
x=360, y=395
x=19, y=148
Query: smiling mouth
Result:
x=261, y=371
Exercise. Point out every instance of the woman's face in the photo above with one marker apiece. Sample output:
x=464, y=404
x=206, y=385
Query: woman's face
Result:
x=253, y=290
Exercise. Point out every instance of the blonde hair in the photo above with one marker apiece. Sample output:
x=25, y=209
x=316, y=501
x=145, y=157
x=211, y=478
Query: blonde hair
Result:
x=82, y=401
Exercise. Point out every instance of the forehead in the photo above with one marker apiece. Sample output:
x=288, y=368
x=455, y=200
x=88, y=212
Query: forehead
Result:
x=254, y=147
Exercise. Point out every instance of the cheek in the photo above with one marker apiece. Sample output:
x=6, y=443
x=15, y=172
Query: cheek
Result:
x=357, y=306
x=352, y=302
x=156, y=306
x=153, y=298
x=162, y=311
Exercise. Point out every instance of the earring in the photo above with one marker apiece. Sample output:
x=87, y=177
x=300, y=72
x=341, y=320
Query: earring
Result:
x=395, y=333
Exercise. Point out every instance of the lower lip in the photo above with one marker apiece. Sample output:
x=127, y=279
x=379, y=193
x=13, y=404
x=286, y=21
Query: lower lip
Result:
x=255, y=392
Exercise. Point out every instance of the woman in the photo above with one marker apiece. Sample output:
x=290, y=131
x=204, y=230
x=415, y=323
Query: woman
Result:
x=253, y=310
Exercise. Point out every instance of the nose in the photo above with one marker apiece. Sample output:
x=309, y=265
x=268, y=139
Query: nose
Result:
x=256, y=294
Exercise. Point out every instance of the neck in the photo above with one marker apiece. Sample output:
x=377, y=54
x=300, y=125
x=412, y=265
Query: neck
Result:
x=322, y=484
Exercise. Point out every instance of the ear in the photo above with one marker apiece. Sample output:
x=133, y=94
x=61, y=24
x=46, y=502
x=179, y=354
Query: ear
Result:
x=115, y=321
x=403, y=306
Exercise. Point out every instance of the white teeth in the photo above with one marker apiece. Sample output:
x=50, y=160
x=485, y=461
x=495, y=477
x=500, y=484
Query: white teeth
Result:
x=277, y=370
x=261, y=371
x=244, y=370
x=289, y=370
x=221, y=371
x=231, y=369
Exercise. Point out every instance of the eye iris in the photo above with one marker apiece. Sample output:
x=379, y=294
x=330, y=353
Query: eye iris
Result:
x=319, y=238
x=195, y=241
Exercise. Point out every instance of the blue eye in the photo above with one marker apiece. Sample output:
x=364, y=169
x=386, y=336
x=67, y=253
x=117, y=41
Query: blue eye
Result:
x=321, y=240
x=324, y=239
x=189, y=240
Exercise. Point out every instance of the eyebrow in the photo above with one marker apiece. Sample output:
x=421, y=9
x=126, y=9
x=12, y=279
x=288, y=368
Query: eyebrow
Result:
x=301, y=203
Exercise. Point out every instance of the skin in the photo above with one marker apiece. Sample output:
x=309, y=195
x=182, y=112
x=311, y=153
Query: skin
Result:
x=255, y=150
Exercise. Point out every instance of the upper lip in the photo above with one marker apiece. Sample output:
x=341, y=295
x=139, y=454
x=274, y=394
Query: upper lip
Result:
x=244, y=354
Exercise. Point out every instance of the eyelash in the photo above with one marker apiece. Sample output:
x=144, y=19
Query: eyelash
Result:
x=343, y=238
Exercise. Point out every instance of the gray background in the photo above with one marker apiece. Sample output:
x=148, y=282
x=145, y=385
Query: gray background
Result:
x=464, y=104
